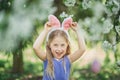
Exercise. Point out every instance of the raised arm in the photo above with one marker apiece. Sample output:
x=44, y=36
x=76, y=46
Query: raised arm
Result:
x=81, y=44
x=37, y=46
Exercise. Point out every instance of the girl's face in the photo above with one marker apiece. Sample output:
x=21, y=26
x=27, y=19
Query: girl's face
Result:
x=58, y=47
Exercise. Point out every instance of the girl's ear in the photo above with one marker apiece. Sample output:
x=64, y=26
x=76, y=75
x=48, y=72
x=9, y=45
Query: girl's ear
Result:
x=66, y=24
x=54, y=21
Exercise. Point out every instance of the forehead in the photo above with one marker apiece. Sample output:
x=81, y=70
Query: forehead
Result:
x=55, y=32
x=59, y=39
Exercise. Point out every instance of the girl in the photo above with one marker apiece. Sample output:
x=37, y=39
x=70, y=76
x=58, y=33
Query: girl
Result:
x=57, y=58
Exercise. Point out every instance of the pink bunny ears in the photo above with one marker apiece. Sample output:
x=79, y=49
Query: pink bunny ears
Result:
x=56, y=23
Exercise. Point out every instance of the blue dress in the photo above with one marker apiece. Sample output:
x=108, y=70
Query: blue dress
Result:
x=61, y=72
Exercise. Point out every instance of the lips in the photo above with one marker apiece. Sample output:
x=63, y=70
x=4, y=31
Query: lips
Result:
x=58, y=54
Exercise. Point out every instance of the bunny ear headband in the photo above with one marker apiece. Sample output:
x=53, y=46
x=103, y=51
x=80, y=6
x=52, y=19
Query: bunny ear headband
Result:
x=56, y=24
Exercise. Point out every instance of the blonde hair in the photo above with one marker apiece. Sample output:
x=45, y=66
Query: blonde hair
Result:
x=50, y=37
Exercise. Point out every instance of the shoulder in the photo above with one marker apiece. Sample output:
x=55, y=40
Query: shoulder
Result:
x=67, y=58
x=45, y=62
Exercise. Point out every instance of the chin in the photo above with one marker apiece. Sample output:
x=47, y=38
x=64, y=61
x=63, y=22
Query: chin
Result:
x=59, y=57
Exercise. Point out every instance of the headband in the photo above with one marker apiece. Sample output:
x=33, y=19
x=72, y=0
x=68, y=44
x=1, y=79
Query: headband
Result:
x=57, y=26
x=56, y=23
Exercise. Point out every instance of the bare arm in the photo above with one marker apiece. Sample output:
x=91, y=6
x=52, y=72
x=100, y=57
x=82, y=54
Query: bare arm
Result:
x=81, y=45
x=37, y=46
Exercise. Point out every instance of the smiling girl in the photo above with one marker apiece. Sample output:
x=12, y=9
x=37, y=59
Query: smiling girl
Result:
x=57, y=58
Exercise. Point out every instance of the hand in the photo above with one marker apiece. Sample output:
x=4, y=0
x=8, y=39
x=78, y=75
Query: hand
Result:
x=48, y=26
x=74, y=26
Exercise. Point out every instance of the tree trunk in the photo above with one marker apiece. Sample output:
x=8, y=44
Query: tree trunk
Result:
x=17, y=62
x=60, y=7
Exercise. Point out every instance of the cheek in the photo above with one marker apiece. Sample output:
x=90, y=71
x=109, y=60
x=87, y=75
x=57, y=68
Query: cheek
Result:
x=53, y=49
x=65, y=48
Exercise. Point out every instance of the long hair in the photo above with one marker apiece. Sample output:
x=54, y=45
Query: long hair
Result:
x=51, y=36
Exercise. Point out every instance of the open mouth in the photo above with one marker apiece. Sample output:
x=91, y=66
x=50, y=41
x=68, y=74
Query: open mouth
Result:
x=58, y=53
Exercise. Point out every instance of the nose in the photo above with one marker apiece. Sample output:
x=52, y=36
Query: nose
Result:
x=59, y=49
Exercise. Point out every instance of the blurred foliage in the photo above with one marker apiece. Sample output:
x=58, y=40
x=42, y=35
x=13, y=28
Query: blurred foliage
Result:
x=99, y=20
x=31, y=70
x=106, y=73
x=19, y=23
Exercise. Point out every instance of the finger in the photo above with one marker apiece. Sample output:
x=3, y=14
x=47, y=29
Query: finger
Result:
x=48, y=24
x=74, y=24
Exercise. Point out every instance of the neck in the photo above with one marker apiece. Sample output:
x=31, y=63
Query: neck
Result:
x=57, y=59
